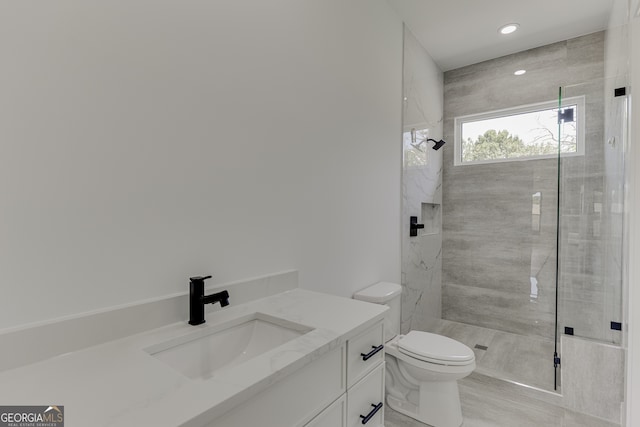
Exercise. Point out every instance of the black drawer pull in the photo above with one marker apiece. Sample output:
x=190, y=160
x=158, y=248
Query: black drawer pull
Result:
x=376, y=408
x=372, y=352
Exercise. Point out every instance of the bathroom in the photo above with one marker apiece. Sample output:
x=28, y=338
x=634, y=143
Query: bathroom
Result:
x=145, y=143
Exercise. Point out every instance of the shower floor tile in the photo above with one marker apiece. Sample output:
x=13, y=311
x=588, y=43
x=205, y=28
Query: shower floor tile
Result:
x=518, y=358
x=487, y=404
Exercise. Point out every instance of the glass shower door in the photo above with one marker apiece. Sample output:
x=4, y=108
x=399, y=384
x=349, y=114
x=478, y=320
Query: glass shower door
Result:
x=591, y=213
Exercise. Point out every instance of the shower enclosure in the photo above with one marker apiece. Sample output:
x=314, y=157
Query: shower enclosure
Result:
x=522, y=253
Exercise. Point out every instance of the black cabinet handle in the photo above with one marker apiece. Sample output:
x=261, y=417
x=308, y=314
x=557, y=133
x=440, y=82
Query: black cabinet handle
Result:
x=372, y=352
x=376, y=408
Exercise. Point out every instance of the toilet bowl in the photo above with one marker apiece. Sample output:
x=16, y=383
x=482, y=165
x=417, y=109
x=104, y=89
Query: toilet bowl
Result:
x=422, y=368
x=424, y=385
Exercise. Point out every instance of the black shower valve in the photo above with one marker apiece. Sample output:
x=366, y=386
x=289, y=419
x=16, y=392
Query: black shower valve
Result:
x=414, y=226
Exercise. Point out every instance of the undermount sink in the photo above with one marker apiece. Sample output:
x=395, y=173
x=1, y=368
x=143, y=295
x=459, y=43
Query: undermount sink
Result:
x=201, y=354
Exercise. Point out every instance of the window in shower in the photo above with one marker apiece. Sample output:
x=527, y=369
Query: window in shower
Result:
x=521, y=133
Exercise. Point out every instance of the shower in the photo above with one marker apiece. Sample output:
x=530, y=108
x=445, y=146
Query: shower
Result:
x=512, y=240
x=438, y=144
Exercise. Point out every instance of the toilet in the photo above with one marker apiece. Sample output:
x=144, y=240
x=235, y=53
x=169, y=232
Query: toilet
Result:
x=422, y=369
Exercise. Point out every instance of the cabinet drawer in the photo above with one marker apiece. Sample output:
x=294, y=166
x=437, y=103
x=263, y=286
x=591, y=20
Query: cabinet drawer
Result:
x=333, y=416
x=365, y=400
x=364, y=344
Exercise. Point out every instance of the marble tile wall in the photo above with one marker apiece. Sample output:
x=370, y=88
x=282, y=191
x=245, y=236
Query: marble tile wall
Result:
x=498, y=272
x=421, y=188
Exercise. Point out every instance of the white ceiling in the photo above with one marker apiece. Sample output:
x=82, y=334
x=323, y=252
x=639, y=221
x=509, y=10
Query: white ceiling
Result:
x=462, y=32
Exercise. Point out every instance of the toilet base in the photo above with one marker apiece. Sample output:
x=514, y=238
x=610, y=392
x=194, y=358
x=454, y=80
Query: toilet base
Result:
x=439, y=404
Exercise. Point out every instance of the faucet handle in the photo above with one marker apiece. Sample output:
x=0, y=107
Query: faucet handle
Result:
x=199, y=278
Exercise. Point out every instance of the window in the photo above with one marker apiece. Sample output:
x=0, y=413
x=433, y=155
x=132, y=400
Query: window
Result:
x=520, y=133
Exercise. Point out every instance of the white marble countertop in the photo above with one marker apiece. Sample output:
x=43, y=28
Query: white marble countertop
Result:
x=118, y=383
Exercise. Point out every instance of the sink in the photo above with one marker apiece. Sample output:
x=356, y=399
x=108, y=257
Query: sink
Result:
x=200, y=355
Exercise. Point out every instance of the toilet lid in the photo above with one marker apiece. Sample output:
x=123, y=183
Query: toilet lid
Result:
x=435, y=348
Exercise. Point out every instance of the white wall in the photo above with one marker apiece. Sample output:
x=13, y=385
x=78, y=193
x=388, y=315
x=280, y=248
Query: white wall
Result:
x=144, y=142
x=633, y=362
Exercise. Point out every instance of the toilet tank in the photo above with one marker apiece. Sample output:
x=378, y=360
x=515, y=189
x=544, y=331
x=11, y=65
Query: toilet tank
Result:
x=388, y=294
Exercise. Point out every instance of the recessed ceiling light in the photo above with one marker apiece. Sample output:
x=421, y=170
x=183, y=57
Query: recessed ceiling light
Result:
x=508, y=29
x=520, y=72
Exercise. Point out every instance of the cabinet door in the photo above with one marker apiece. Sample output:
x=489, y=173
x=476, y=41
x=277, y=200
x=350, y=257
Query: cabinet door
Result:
x=334, y=416
x=364, y=352
x=365, y=400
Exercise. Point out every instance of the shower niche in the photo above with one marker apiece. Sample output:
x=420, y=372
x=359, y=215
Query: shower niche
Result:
x=431, y=218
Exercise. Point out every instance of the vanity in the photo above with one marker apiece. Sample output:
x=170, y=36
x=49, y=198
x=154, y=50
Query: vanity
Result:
x=296, y=358
x=341, y=388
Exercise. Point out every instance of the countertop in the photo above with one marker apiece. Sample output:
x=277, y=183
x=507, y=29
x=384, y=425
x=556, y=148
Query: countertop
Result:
x=118, y=383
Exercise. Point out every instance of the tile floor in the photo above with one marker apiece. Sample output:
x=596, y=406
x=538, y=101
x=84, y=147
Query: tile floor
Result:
x=487, y=403
x=523, y=359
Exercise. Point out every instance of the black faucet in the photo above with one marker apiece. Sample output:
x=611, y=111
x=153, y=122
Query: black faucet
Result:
x=197, y=299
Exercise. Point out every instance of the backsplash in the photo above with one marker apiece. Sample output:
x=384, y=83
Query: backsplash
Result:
x=33, y=343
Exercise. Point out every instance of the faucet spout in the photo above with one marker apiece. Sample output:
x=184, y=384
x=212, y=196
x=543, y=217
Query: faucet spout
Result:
x=221, y=297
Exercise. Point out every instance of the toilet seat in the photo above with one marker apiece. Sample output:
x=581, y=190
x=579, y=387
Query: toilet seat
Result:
x=435, y=348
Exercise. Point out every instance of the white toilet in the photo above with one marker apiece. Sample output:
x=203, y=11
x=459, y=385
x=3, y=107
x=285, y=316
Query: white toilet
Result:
x=423, y=369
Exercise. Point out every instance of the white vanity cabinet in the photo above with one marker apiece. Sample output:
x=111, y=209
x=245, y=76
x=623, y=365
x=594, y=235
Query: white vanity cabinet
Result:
x=365, y=400
x=365, y=385
x=356, y=403
x=342, y=388
x=293, y=358
x=364, y=352
x=365, y=378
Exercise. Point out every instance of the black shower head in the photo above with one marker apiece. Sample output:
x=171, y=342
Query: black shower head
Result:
x=438, y=144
